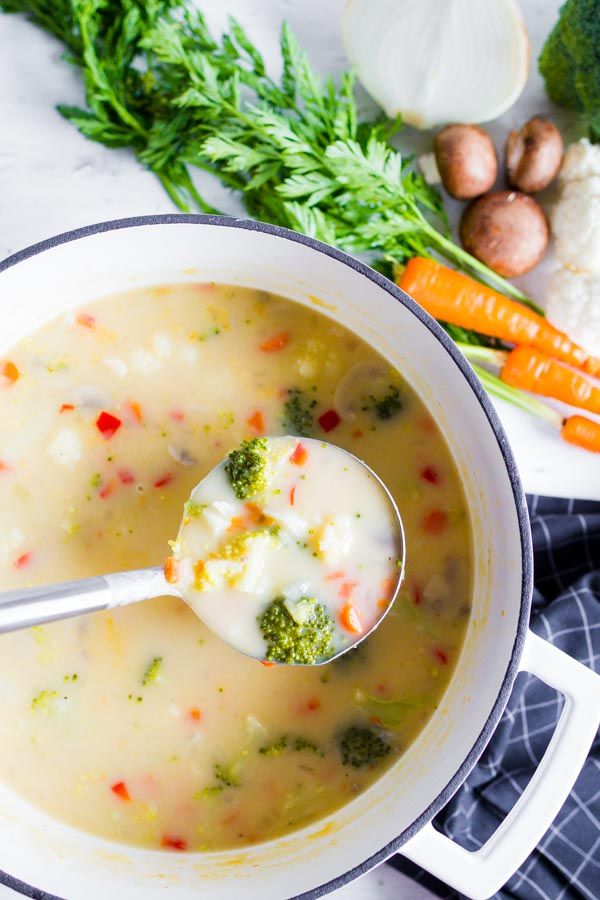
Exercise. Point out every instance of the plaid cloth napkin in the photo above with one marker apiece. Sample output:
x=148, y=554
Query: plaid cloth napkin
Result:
x=566, y=611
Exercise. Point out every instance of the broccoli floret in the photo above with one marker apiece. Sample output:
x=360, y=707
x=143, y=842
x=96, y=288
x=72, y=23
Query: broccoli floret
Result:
x=246, y=468
x=289, y=641
x=298, y=417
x=298, y=744
x=274, y=749
x=387, y=405
x=362, y=747
x=227, y=775
x=570, y=63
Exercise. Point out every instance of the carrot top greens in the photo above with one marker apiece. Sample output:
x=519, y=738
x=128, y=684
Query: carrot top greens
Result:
x=157, y=81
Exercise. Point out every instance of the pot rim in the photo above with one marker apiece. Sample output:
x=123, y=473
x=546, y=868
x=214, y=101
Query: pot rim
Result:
x=492, y=416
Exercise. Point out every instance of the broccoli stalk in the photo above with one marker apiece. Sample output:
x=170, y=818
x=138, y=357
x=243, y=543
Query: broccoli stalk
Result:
x=290, y=641
x=246, y=468
x=570, y=62
x=361, y=747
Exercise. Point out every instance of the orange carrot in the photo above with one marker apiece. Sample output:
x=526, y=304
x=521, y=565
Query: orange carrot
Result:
x=349, y=619
x=435, y=521
x=135, y=409
x=171, y=567
x=10, y=372
x=120, y=789
x=537, y=372
x=257, y=422
x=195, y=714
x=453, y=297
x=87, y=320
x=277, y=342
x=582, y=432
x=299, y=455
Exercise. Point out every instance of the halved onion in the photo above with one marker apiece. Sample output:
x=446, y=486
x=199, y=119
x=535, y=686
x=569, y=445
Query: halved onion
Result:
x=438, y=61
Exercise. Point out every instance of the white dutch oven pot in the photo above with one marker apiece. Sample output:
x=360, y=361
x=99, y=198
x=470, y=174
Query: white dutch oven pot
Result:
x=40, y=853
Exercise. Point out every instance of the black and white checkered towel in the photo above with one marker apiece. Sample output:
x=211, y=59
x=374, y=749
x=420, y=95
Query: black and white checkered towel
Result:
x=566, y=611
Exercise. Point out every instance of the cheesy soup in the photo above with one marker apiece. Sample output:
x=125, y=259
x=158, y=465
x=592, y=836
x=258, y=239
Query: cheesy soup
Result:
x=290, y=551
x=140, y=725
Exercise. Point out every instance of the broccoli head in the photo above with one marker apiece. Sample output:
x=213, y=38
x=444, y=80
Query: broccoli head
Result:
x=362, y=746
x=570, y=62
x=385, y=406
x=246, y=468
x=291, y=641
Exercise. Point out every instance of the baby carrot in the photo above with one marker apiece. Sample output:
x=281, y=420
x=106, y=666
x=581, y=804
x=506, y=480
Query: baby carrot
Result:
x=537, y=372
x=453, y=297
x=582, y=432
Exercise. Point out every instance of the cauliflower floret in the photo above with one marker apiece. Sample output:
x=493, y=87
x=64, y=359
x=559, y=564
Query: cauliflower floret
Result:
x=581, y=161
x=314, y=358
x=574, y=307
x=65, y=447
x=334, y=540
x=576, y=225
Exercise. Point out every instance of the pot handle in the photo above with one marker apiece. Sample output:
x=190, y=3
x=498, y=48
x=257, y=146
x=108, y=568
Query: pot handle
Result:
x=482, y=873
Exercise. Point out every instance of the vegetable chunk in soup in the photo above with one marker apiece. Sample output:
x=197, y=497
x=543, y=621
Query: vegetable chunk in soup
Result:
x=139, y=724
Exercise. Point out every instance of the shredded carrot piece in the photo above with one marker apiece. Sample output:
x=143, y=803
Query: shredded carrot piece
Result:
x=174, y=843
x=292, y=495
x=165, y=479
x=276, y=342
x=333, y=576
x=171, y=569
x=86, y=319
x=22, y=560
x=66, y=407
x=136, y=410
x=313, y=704
x=441, y=655
x=350, y=620
x=10, y=371
x=120, y=789
x=300, y=455
x=435, y=522
x=177, y=415
x=195, y=714
x=257, y=422
x=267, y=664
x=108, y=489
x=357, y=433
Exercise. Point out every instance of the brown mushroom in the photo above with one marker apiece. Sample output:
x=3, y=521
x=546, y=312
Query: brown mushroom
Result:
x=466, y=159
x=507, y=230
x=533, y=155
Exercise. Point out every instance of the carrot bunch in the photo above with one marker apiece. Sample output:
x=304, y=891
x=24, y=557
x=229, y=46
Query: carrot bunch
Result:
x=544, y=360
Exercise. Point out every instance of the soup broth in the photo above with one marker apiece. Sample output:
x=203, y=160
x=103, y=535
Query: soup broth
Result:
x=139, y=724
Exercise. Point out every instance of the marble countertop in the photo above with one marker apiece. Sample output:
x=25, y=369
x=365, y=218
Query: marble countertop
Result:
x=52, y=180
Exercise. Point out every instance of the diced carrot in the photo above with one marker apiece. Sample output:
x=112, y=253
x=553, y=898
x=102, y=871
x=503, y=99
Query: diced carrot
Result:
x=435, y=522
x=195, y=714
x=347, y=589
x=135, y=409
x=10, y=372
x=276, y=342
x=86, y=319
x=267, y=663
x=456, y=298
x=174, y=843
x=430, y=474
x=66, y=407
x=125, y=476
x=313, y=704
x=441, y=655
x=236, y=523
x=300, y=455
x=350, y=620
x=329, y=420
x=120, y=789
x=171, y=569
x=107, y=424
x=256, y=422
x=292, y=495
x=255, y=513
x=165, y=479
x=22, y=560
x=108, y=489
x=333, y=576
x=582, y=432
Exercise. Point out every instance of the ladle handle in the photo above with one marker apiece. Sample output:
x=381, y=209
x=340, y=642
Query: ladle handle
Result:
x=39, y=605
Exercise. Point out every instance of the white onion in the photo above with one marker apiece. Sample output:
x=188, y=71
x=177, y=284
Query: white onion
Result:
x=438, y=61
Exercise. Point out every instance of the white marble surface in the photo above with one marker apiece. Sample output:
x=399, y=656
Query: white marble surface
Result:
x=52, y=180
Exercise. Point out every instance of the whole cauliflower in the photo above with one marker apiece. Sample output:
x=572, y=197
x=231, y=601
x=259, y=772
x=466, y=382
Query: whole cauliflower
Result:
x=574, y=307
x=576, y=216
